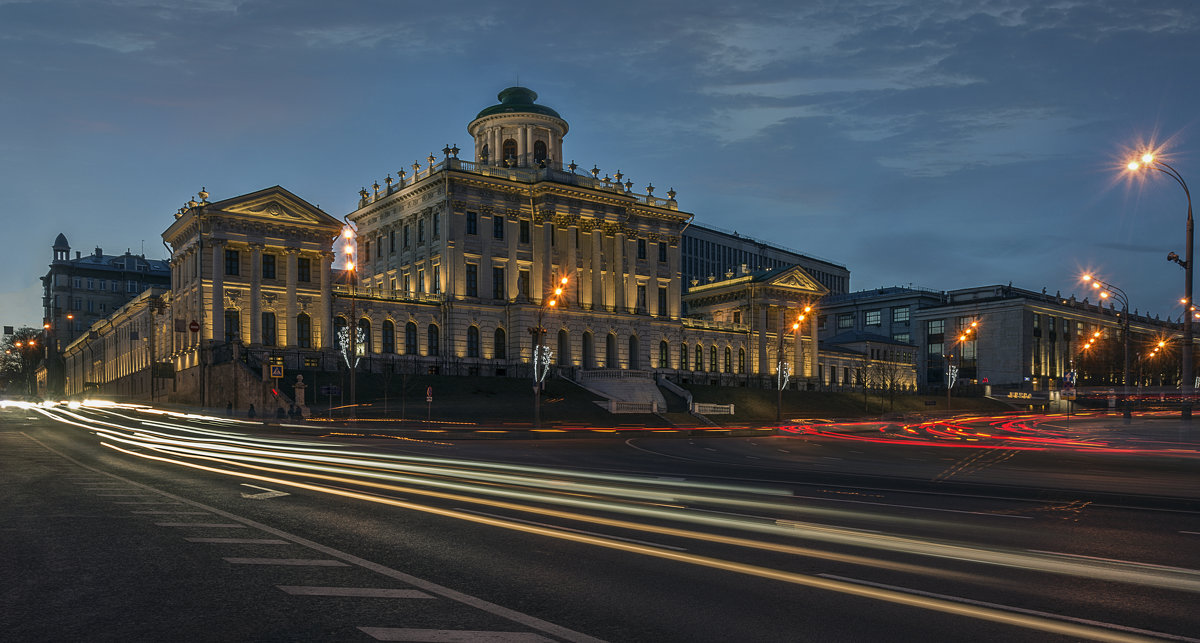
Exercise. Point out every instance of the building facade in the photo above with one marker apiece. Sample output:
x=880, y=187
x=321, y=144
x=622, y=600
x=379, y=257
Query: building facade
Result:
x=710, y=254
x=452, y=267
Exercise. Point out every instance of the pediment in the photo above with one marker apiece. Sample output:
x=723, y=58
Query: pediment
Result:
x=277, y=206
x=796, y=279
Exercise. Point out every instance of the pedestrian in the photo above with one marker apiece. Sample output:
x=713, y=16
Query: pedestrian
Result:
x=250, y=411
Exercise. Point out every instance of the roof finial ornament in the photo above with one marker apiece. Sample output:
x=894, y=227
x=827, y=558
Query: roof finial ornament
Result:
x=572, y=166
x=203, y=195
x=671, y=194
x=595, y=171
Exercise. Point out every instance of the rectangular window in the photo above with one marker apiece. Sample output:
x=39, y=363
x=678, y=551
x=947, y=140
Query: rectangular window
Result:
x=421, y=280
x=268, y=266
x=524, y=231
x=437, y=225
x=91, y=284
x=900, y=315
x=902, y=337
x=662, y=252
x=77, y=282
x=523, y=283
x=497, y=282
x=407, y=283
x=304, y=269
x=420, y=231
x=472, y=223
x=437, y=281
x=935, y=326
x=232, y=261
x=497, y=227
x=872, y=318
x=641, y=298
x=366, y=251
x=391, y=242
x=845, y=320
x=472, y=280
x=131, y=286
x=662, y=302
x=821, y=320
x=406, y=235
x=641, y=248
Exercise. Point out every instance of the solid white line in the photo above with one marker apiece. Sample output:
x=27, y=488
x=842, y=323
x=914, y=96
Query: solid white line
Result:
x=364, y=592
x=1009, y=608
x=147, y=502
x=450, y=636
x=1195, y=533
x=577, y=531
x=254, y=486
x=229, y=525
x=298, y=562
x=175, y=513
x=239, y=541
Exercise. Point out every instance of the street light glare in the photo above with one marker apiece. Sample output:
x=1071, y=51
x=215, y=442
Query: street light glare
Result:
x=1147, y=158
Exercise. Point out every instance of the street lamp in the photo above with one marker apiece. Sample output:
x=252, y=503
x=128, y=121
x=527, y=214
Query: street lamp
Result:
x=1148, y=161
x=351, y=353
x=541, y=352
x=782, y=373
x=1108, y=290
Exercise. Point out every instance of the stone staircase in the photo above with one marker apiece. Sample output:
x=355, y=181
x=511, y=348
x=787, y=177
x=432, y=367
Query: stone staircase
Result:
x=625, y=391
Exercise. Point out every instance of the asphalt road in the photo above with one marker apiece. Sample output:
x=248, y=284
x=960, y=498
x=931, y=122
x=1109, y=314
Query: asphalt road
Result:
x=113, y=528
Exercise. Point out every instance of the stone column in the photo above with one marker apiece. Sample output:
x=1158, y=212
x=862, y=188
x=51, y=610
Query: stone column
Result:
x=521, y=149
x=618, y=273
x=571, y=269
x=218, y=290
x=256, y=251
x=511, y=269
x=547, y=283
x=675, y=287
x=597, y=240
x=764, y=367
x=813, y=349
x=322, y=337
x=290, y=322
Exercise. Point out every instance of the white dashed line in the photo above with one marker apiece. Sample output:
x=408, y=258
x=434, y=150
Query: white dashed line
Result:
x=363, y=592
x=450, y=636
x=239, y=541
x=229, y=525
x=297, y=562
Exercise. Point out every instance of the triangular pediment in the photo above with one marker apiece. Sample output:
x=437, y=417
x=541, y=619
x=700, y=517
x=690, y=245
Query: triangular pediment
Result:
x=277, y=205
x=796, y=279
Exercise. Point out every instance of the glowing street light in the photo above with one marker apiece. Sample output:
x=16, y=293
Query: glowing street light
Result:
x=1149, y=162
x=1108, y=290
x=543, y=353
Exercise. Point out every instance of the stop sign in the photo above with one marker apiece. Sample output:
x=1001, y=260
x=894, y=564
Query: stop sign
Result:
x=194, y=326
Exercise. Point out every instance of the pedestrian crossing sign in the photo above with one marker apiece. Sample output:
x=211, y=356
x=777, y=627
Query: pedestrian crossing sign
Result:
x=276, y=371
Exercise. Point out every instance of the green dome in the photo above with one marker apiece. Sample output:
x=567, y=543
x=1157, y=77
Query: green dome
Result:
x=517, y=100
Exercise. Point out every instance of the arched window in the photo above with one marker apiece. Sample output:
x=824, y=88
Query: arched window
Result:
x=564, y=348
x=473, y=341
x=499, y=350
x=741, y=360
x=410, y=339
x=433, y=340
x=683, y=357
x=510, y=149
x=664, y=354
x=268, y=329
x=698, y=365
x=364, y=335
x=304, y=330
x=339, y=325
x=610, y=351
x=712, y=358
x=635, y=359
x=539, y=151
x=589, y=350
x=233, y=330
x=728, y=359
x=388, y=343
x=483, y=154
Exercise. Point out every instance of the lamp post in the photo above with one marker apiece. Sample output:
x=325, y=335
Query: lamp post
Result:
x=541, y=352
x=351, y=354
x=782, y=374
x=1148, y=161
x=1108, y=290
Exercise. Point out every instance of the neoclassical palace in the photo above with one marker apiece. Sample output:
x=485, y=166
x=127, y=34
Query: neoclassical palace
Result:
x=450, y=267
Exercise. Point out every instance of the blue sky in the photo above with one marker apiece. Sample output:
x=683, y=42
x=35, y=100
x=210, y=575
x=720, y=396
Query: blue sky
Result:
x=938, y=144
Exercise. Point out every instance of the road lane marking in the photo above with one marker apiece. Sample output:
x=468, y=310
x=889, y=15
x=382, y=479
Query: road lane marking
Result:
x=174, y=513
x=239, y=541
x=229, y=525
x=297, y=562
x=450, y=636
x=1009, y=608
x=1196, y=533
x=578, y=531
x=267, y=493
x=363, y=592
x=122, y=495
x=147, y=502
x=521, y=618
